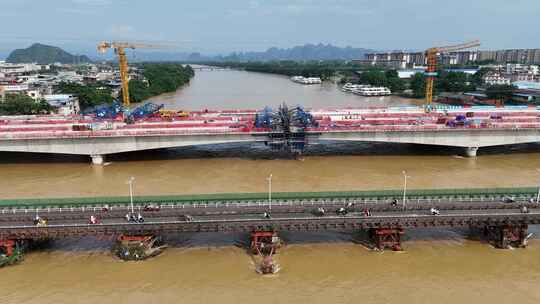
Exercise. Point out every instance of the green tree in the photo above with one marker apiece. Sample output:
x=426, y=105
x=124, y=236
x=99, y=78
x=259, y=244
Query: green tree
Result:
x=452, y=82
x=418, y=85
x=162, y=78
x=374, y=78
x=138, y=91
x=89, y=95
x=20, y=104
x=393, y=82
x=502, y=92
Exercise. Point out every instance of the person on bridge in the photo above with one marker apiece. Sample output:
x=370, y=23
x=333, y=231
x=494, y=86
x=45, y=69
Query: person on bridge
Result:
x=140, y=219
x=435, y=211
x=93, y=220
x=341, y=211
x=394, y=202
x=266, y=215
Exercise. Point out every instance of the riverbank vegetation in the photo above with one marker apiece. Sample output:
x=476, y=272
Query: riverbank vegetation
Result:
x=89, y=95
x=20, y=104
x=156, y=79
x=159, y=78
x=453, y=82
x=322, y=69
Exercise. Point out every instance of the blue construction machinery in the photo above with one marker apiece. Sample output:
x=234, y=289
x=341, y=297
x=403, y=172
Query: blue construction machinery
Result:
x=144, y=111
x=105, y=111
x=112, y=111
x=287, y=127
x=263, y=119
x=302, y=118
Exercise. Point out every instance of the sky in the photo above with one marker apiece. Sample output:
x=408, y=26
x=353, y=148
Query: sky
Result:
x=222, y=26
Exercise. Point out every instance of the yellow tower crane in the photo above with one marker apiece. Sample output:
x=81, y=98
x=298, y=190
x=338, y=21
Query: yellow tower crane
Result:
x=120, y=50
x=431, y=58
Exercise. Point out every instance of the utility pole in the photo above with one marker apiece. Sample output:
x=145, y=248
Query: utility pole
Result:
x=269, y=179
x=405, y=177
x=130, y=182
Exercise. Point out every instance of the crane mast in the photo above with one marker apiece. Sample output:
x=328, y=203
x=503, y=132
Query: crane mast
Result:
x=431, y=59
x=120, y=50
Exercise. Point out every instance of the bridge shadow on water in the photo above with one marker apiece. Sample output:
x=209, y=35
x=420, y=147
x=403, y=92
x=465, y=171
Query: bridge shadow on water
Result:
x=448, y=236
x=254, y=151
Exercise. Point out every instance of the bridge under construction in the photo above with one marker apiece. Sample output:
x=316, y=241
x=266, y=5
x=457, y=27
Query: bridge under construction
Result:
x=292, y=129
x=503, y=215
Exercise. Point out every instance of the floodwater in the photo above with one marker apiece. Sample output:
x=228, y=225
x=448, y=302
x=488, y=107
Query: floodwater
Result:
x=438, y=266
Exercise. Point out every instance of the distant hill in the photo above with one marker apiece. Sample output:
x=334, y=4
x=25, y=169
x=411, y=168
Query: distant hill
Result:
x=298, y=53
x=44, y=54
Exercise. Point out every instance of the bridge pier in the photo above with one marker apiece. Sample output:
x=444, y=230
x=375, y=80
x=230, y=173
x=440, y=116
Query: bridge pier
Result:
x=98, y=159
x=506, y=236
x=136, y=248
x=471, y=151
x=264, y=242
x=10, y=253
x=384, y=238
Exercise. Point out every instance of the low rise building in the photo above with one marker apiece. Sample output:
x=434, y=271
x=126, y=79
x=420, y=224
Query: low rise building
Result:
x=64, y=104
x=495, y=78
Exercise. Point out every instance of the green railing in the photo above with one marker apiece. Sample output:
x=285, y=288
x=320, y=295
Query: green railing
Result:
x=382, y=194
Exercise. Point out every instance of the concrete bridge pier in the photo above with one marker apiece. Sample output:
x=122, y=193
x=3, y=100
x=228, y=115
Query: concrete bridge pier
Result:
x=264, y=242
x=384, y=238
x=471, y=151
x=98, y=159
x=10, y=252
x=507, y=236
x=136, y=248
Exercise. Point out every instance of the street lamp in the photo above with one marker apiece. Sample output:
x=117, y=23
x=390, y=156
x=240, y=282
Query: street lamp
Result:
x=130, y=182
x=269, y=179
x=405, y=177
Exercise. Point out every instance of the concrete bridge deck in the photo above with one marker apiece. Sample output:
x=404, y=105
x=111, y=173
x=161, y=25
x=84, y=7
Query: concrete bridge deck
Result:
x=86, y=136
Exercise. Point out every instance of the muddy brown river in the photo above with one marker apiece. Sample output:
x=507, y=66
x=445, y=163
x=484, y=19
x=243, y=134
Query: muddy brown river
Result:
x=438, y=265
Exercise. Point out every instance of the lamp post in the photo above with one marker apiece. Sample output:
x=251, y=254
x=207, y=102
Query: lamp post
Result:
x=269, y=179
x=130, y=182
x=405, y=177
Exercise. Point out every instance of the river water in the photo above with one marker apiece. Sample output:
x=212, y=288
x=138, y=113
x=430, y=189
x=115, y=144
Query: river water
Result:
x=438, y=266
